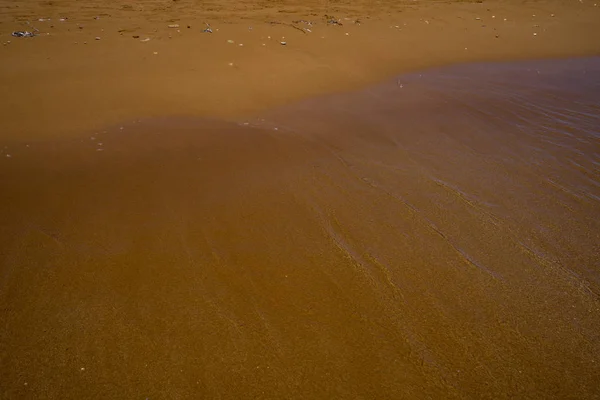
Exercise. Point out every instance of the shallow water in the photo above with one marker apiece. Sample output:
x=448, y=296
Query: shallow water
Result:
x=437, y=236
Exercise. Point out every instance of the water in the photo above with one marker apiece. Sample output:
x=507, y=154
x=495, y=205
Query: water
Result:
x=434, y=236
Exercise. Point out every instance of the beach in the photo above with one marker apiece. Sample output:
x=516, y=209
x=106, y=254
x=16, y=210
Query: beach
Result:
x=385, y=200
x=69, y=82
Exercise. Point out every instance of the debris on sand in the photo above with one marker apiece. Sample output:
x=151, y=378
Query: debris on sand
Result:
x=174, y=26
x=24, y=34
x=208, y=29
x=331, y=20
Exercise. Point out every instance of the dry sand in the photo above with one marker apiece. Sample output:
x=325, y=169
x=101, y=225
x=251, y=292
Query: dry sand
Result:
x=67, y=82
x=426, y=238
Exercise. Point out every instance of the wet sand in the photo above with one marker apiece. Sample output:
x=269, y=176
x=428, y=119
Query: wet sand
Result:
x=435, y=236
x=210, y=221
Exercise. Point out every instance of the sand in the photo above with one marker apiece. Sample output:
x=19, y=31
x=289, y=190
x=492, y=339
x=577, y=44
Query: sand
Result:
x=298, y=224
x=61, y=84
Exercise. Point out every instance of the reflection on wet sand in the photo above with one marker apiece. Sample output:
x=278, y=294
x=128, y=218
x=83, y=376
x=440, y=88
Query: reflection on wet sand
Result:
x=434, y=237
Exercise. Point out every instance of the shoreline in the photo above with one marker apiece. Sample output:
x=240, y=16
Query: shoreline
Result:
x=60, y=89
x=402, y=242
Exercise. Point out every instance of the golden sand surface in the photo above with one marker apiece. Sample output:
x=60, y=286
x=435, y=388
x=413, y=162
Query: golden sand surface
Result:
x=175, y=227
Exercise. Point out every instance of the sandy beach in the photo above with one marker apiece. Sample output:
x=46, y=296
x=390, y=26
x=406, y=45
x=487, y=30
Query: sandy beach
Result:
x=320, y=200
x=66, y=81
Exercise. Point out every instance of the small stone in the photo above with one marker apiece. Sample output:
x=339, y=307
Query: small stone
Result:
x=230, y=41
x=241, y=44
x=145, y=40
x=136, y=36
x=97, y=37
x=8, y=156
x=174, y=26
x=283, y=43
x=534, y=34
x=230, y=64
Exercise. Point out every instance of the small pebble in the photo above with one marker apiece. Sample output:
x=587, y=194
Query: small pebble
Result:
x=155, y=53
x=283, y=43
x=97, y=37
x=534, y=34
x=230, y=41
